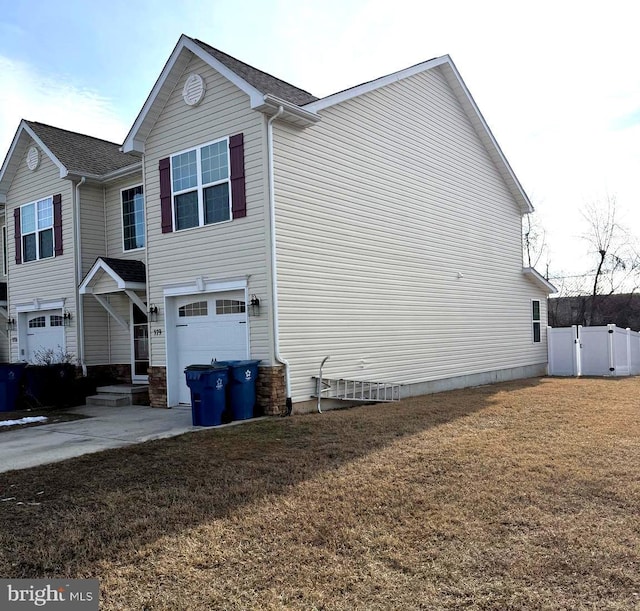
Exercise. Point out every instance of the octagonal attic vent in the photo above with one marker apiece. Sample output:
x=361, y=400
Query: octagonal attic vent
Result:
x=193, y=90
x=33, y=158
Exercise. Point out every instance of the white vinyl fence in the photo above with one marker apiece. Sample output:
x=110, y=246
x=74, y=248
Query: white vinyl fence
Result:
x=593, y=351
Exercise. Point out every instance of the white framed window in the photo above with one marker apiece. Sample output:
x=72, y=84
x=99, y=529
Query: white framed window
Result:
x=535, y=320
x=133, y=234
x=200, y=185
x=36, y=227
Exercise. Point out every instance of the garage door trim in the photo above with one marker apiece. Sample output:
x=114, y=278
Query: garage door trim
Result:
x=201, y=286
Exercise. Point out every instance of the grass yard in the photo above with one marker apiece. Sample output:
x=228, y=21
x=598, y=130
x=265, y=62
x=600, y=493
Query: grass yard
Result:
x=522, y=495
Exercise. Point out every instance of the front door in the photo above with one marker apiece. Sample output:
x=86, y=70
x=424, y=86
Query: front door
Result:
x=140, y=345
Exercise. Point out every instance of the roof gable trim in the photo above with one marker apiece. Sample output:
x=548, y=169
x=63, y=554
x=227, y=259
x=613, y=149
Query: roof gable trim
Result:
x=10, y=165
x=539, y=280
x=168, y=79
x=358, y=90
x=101, y=265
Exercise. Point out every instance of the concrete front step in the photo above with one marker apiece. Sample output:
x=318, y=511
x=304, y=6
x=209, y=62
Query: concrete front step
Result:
x=109, y=400
x=124, y=389
x=120, y=394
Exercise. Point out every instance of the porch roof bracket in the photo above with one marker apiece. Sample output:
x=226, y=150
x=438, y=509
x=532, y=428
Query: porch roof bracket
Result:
x=108, y=307
x=141, y=304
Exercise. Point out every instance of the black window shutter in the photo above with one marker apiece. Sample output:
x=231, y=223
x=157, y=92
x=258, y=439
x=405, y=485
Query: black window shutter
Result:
x=57, y=224
x=164, y=166
x=238, y=195
x=17, y=235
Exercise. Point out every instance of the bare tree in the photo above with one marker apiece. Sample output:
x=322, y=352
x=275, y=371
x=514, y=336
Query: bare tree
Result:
x=616, y=262
x=534, y=238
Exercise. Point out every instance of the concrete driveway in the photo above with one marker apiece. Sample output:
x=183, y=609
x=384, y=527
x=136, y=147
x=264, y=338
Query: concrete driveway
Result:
x=107, y=427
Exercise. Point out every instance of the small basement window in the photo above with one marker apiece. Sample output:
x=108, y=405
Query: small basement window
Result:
x=535, y=317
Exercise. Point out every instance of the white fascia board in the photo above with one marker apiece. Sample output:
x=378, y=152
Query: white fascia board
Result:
x=16, y=149
x=470, y=105
x=539, y=280
x=383, y=81
x=135, y=139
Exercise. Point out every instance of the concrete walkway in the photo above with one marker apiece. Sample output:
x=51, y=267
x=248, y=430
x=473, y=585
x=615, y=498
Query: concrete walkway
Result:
x=107, y=427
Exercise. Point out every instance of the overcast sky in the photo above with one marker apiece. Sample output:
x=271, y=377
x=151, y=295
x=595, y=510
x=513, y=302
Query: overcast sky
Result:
x=558, y=82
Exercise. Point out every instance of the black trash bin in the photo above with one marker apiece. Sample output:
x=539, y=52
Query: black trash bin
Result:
x=241, y=391
x=10, y=376
x=208, y=393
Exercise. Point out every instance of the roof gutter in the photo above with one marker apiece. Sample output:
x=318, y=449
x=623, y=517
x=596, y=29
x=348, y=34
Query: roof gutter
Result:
x=288, y=111
x=78, y=275
x=274, y=263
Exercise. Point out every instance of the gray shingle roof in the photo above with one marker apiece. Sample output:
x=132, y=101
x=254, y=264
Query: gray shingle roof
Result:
x=262, y=81
x=128, y=270
x=82, y=154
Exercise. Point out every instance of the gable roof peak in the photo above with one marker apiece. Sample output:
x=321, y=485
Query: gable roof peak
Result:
x=262, y=81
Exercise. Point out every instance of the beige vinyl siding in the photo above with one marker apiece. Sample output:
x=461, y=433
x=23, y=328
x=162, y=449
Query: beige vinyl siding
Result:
x=48, y=278
x=115, y=240
x=399, y=245
x=93, y=246
x=96, y=332
x=119, y=337
x=92, y=225
x=216, y=252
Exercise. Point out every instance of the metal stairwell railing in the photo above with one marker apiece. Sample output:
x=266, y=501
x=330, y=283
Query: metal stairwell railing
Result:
x=364, y=391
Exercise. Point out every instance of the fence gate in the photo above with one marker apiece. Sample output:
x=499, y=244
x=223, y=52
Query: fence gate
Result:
x=593, y=351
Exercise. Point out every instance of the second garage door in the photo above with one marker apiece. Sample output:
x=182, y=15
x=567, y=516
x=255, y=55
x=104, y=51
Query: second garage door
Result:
x=208, y=327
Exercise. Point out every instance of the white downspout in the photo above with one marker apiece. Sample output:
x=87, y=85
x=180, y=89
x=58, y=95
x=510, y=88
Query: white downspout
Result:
x=78, y=253
x=274, y=262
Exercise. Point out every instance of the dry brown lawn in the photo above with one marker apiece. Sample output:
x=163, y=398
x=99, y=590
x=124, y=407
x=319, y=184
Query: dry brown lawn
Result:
x=522, y=495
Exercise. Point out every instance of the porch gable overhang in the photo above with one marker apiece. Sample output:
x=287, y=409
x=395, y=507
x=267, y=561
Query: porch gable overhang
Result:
x=126, y=276
x=122, y=281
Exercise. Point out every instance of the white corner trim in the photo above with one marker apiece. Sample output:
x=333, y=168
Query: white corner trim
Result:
x=37, y=305
x=204, y=285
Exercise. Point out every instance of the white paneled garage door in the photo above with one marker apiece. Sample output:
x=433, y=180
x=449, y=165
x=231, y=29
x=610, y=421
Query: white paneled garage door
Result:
x=208, y=326
x=44, y=331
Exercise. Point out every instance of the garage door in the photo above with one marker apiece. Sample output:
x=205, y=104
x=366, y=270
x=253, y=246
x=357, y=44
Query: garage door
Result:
x=209, y=326
x=45, y=331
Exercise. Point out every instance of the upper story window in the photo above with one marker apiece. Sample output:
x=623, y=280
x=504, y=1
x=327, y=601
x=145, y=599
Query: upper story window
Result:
x=133, y=218
x=200, y=182
x=36, y=223
x=535, y=317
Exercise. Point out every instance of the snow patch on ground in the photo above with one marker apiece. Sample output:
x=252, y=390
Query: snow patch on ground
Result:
x=27, y=420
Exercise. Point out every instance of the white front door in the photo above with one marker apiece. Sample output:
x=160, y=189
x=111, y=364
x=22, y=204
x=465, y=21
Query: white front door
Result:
x=208, y=327
x=44, y=336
